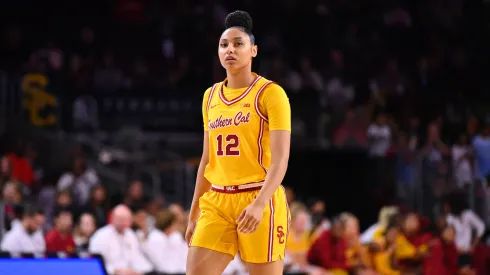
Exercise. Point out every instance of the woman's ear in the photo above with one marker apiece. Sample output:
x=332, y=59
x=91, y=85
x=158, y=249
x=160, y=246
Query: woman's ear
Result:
x=254, y=50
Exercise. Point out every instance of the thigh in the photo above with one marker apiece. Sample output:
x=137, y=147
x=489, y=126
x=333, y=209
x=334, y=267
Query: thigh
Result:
x=272, y=268
x=268, y=242
x=215, y=228
x=203, y=261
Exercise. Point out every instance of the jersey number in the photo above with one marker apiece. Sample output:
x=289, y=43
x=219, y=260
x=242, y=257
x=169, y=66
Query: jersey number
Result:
x=231, y=145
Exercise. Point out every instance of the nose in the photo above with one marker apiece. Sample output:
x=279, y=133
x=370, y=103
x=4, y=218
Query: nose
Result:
x=230, y=49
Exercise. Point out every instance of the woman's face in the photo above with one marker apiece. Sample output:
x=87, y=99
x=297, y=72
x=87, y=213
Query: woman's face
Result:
x=235, y=50
x=302, y=221
x=351, y=229
x=99, y=194
x=411, y=223
x=136, y=190
x=64, y=199
x=4, y=166
x=87, y=224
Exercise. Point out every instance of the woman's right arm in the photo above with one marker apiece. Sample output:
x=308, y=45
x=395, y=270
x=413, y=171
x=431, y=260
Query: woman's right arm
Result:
x=202, y=184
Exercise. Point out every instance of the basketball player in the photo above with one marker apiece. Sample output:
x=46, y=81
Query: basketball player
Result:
x=239, y=203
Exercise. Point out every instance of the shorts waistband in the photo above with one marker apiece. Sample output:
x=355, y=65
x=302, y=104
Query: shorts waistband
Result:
x=238, y=188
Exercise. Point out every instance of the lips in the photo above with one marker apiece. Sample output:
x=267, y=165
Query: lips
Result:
x=230, y=58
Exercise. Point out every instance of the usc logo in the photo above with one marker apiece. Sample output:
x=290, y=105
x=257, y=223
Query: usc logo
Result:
x=38, y=102
x=280, y=234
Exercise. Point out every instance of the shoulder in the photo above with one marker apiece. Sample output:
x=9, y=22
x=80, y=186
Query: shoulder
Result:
x=269, y=86
x=103, y=232
x=51, y=234
x=157, y=235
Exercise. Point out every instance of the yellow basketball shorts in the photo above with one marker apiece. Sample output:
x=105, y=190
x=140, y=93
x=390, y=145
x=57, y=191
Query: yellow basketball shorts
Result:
x=216, y=227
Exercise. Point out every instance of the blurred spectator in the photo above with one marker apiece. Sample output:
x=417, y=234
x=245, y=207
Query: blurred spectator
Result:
x=5, y=171
x=135, y=195
x=386, y=214
x=299, y=240
x=60, y=238
x=78, y=181
x=350, y=134
x=119, y=246
x=465, y=222
x=97, y=205
x=84, y=231
x=21, y=164
x=384, y=262
x=443, y=257
x=9, y=203
x=167, y=254
x=24, y=238
x=481, y=145
x=462, y=162
x=405, y=169
x=318, y=220
x=330, y=250
x=379, y=136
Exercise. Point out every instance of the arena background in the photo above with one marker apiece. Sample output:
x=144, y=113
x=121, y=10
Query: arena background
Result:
x=121, y=82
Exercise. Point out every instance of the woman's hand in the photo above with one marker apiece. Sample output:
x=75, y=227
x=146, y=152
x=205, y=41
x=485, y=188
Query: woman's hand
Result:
x=250, y=218
x=191, y=226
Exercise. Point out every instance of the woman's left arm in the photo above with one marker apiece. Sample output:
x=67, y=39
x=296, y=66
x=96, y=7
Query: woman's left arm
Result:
x=276, y=110
x=280, y=143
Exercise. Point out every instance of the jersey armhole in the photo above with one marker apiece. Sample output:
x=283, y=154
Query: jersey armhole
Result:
x=257, y=99
x=210, y=97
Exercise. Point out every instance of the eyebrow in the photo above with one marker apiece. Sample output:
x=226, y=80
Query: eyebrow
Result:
x=236, y=38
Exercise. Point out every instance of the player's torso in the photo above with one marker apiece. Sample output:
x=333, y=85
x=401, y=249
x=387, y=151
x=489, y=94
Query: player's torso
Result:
x=238, y=137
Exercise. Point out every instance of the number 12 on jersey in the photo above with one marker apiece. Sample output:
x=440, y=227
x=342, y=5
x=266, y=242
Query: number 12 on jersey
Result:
x=230, y=143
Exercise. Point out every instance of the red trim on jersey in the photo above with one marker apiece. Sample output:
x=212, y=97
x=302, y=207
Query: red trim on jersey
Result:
x=271, y=231
x=210, y=97
x=233, y=101
x=257, y=109
x=289, y=213
x=259, y=144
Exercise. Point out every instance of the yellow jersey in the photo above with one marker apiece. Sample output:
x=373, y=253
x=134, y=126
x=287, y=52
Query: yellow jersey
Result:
x=238, y=123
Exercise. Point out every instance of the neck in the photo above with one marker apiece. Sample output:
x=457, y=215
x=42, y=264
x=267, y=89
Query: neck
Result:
x=240, y=79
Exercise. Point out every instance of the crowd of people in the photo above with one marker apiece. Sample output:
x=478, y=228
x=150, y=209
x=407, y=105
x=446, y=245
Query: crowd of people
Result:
x=138, y=235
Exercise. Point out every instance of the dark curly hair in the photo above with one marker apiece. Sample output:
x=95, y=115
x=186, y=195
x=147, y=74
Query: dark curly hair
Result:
x=242, y=20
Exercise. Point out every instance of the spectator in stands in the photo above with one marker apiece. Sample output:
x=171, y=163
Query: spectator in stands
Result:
x=78, y=181
x=462, y=155
x=167, y=255
x=405, y=159
x=299, y=240
x=25, y=237
x=357, y=254
x=465, y=222
x=9, y=202
x=119, y=246
x=21, y=167
x=140, y=222
x=329, y=251
x=135, y=194
x=385, y=215
x=384, y=259
x=411, y=245
x=443, y=256
x=481, y=145
x=379, y=136
x=97, y=205
x=5, y=171
x=60, y=238
x=180, y=214
x=318, y=220
x=83, y=231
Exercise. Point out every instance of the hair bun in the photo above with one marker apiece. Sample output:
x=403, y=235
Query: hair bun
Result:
x=239, y=19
